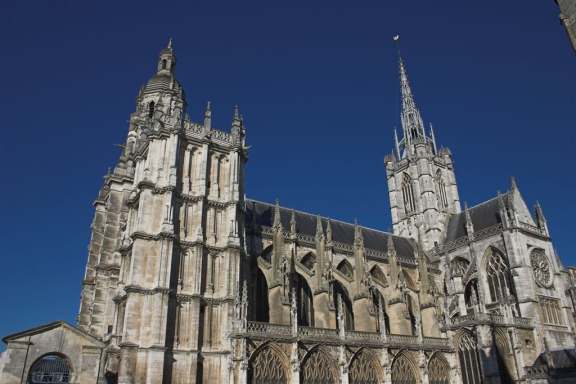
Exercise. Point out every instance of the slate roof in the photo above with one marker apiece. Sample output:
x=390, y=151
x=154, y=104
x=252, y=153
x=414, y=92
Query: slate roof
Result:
x=483, y=215
x=263, y=215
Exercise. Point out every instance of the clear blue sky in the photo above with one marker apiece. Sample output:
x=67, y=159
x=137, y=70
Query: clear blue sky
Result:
x=317, y=84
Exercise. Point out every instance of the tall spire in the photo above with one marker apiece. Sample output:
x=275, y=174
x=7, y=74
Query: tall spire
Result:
x=412, y=123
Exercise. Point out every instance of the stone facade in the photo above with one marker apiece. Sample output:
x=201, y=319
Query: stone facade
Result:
x=568, y=18
x=188, y=281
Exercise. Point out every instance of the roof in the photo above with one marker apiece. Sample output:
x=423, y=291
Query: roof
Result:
x=47, y=327
x=483, y=215
x=262, y=214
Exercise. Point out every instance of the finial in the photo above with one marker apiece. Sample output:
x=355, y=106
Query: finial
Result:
x=236, y=112
x=277, y=223
x=328, y=231
x=319, y=229
x=293, y=222
x=208, y=106
x=169, y=43
x=513, y=185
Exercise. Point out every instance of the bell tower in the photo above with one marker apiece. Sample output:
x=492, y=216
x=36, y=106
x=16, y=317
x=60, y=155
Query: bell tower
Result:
x=421, y=181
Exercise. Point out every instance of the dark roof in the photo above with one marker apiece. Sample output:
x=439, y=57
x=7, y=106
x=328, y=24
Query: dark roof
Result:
x=560, y=358
x=341, y=232
x=483, y=215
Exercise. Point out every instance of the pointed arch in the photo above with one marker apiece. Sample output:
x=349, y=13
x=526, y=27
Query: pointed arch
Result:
x=500, y=283
x=408, y=194
x=365, y=368
x=268, y=364
x=304, y=301
x=308, y=260
x=379, y=304
x=318, y=367
x=443, y=197
x=260, y=305
x=459, y=266
x=468, y=357
x=346, y=269
x=404, y=371
x=378, y=275
x=506, y=362
x=338, y=290
x=471, y=295
x=267, y=253
x=438, y=369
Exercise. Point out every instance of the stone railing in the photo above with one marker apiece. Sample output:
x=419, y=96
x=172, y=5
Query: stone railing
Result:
x=532, y=229
x=464, y=240
x=256, y=328
x=317, y=333
x=262, y=330
x=490, y=318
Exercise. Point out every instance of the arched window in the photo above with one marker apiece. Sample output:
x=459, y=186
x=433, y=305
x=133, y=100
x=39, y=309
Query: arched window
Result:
x=304, y=301
x=469, y=360
x=267, y=366
x=443, y=197
x=267, y=254
x=50, y=369
x=151, y=109
x=471, y=295
x=319, y=368
x=261, y=310
x=380, y=305
x=459, y=266
x=438, y=370
x=164, y=63
x=364, y=369
x=408, y=194
x=403, y=370
x=339, y=291
x=499, y=277
x=308, y=260
x=346, y=269
x=377, y=275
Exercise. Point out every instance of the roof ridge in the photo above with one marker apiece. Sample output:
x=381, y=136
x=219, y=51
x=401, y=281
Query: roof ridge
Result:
x=326, y=218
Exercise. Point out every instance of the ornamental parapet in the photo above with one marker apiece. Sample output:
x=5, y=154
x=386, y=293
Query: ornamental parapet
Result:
x=490, y=319
x=266, y=331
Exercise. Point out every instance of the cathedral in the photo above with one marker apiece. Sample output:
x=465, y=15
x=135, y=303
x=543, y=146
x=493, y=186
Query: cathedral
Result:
x=188, y=281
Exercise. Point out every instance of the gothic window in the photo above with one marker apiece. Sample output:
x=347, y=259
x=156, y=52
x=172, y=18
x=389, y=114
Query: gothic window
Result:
x=364, y=369
x=551, y=311
x=408, y=194
x=403, y=371
x=261, y=310
x=338, y=291
x=380, y=309
x=441, y=190
x=377, y=275
x=541, y=268
x=471, y=295
x=164, y=63
x=151, y=109
x=50, y=369
x=499, y=277
x=469, y=359
x=438, y=370
x=319, y=368
x=308, y=260
x=346, y=269
x=267, y=367
x=267, y=254
x=304, y=301
x=459, y=266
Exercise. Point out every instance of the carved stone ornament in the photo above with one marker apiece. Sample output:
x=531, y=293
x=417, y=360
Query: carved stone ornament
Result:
x=541, y=268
